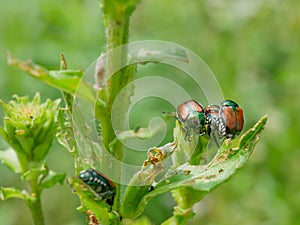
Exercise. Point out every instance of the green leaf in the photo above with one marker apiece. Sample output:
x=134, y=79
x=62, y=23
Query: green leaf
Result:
x=188, y=149
x=91, y=202
x=143, y=220
x=3, y=132
x=7, y=193
x=180, y=217
x=36, y=172
x=10, y=159
x=187, y=196
x=132, y=205
x=41, y=150
x=140, y=132
x=12, y=141
x=53, y=178
x=226, y=162
x=65, y=133
x=203, y=178
x=65, y=80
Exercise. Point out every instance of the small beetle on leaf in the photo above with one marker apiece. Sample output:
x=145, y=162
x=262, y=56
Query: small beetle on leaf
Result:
x=224, y=121
x=104, y=187
x=191, y=115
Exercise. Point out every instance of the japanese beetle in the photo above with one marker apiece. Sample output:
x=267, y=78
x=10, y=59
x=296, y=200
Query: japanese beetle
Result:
x=232, y=117
x=191, y=115
x=224, y=121
x=212, y=118
x=212, y=114
x=214, y=126
x=104, y=187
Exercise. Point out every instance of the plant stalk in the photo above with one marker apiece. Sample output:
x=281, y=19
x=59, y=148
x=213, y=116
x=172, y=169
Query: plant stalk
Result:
x=116, y=16
x=35, y=202
x=36, y=211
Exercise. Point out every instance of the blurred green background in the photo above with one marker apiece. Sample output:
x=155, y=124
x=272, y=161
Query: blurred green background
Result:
x=253, y=47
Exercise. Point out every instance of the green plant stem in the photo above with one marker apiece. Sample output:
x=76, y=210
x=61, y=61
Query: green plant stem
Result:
x=35, y=203
x=185, y=197
x=116, y=16
x=36, y=210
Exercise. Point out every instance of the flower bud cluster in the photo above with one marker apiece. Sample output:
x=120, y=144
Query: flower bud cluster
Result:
x=29, y=127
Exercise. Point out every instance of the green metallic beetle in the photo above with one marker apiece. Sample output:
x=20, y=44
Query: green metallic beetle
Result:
x=232, y=117
x=191, y=115
x=224, y=121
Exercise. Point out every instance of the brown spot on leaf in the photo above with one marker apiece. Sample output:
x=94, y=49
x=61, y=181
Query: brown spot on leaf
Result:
x=186, y=172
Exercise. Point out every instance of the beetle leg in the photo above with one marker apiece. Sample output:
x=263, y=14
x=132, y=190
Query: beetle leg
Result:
x=215, y=139
x=187, y=133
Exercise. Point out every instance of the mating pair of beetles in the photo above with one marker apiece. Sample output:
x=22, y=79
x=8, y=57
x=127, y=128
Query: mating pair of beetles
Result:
x=219, y=122
x=224, y=121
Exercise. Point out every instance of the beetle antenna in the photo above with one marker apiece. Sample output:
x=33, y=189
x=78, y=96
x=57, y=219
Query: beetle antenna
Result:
x=170, y=114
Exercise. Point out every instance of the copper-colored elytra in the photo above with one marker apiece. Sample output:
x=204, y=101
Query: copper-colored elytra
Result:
x=106, y=178
x=212, y=109
x=230, y=118
x=109, y=181
x=185, y=108
x=239, y=119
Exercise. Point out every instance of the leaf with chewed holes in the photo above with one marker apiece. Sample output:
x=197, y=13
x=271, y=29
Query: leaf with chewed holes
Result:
x=92, y=204
x=202, y=178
